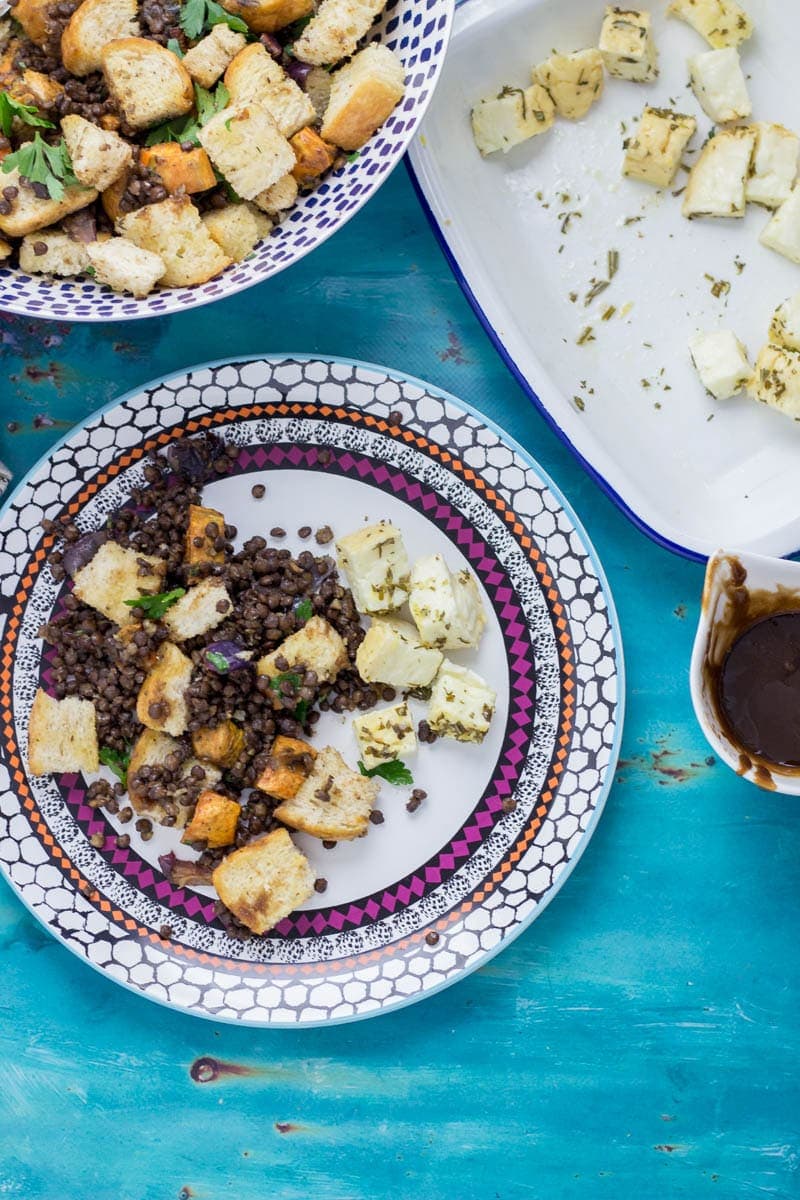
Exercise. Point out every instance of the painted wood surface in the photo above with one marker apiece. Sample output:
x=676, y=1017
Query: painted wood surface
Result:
x=641, y=1039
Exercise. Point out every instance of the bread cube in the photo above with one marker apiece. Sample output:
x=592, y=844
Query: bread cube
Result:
x=774, y=166
x=148, y=83
x=785, y=327
x=716, y=186
x=37, y=89
x=200, y=610
x=237, y=229
x=719, y=84
x=375, y=562
x=91, y=27
x=318, y=89
x=277, y=199
x=251, y=73
x=34, y=16
x=654, y=152
x=62, y=735
x=721, y=22
x=334, y=802
x=392, y=653
x=288, y=105
x=264, y=881
x=363, y=94
x=290, y=762
x=314, y=156
x=335, y=30
x=221, y=744
x=385, y=735
x=573, y=81
x=214, y=821
x=29, y=212
x=210, y=58
x=782, y=234
x=116, y=574
x=204, y=527
x=99, y=156
x=6, y=249
x=627, y=44
x=155, y=749
x=173, y=230
x=447, y=608
x=124, y=267
x=512, y=116
x=52, y=252
x=246, y=146
x=265, y=16
x=462, y=704
x=776, y=380
x=161, y=703
x=720, y=360
x=179, y=169
x=317, y=647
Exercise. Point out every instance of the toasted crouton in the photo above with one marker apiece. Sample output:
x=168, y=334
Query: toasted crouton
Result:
x=288, y=105
x=161, y=703
x=200, y=610
x=147, y=82
x=98, y=156
x=6, y=249
x=29, y=212
x=290, y=762
x=124, y=267
x=37, y=88
x=51, y=252
x=208, y=60
x=221, y=744
x=173, y=230
x=237, y=229
x=178, y=168
x=251, y=72
x=244, y=143
x=333, y=802
x=62, y=735
x=317, y=647
x=91, y=27
x=114, y=575
x=214, y=820
x=204, y=527
x=112, y=196
x=363, y=93
x=265, y=16
x=264, y=881
x=34, y=17
x=154, y=749
x=277, y=199
x=318, y=89
x=314, y=156
x=336, y=29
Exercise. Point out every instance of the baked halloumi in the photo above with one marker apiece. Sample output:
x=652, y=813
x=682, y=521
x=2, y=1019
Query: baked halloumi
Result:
x=720, y=22
x=447, y=608
x=392, y=653
x=512, y=116
x=776, y=380
x=573, y=81
x=719, y=84
x=462, y=704
x=782, y=234
x=774, y=166
x=785, y=327
x=385, y=735
x=375, y=561
x=627, y=44
x=654, y=153
x=717, y=181
x=720, y=360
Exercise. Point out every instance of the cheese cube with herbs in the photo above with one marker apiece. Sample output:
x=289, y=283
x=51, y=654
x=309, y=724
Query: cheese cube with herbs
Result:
x=654, y=153
x=783, y=232
x=720, y=22
x=719, y=84
x=573, y=81
x=512, y=116
x=785, y=327
x=774, y=166
x=375, y=562
x=385, y=735
x=447, y=608
x=720, y=360
x=776, y=380
x=392, y=653
x=627, y=44
x=462, y=704
x=717, y=181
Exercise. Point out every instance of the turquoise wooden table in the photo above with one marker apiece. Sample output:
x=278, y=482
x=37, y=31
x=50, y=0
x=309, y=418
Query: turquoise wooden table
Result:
x=640, y=1039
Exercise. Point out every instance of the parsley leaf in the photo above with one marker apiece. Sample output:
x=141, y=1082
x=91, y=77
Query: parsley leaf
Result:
x=395, y=772
x=218, y=661
x=10, y=108
x=352, y=157
x=290, y=677
x=154, y=607
x=118, y=761
x=199, y=15
x=301, y=712
x=42, y=163
x=304, y=610
x=186, y=129
x=175, y=47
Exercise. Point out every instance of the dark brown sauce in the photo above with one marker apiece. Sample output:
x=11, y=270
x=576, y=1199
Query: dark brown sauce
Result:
x=759, y=689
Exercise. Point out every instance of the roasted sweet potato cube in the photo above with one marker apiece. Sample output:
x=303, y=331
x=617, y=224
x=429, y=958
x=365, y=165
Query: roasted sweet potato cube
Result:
x=112, y=195
x=189, y=169
x=221, y=744
x=200, y=536
x=290, y=762
x=214, y=821
x=314, y=156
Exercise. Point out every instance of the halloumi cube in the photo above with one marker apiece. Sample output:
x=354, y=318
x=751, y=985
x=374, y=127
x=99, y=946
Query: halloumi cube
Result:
x=720, y=360
x=447, y=608
x=785, y=327
x=512, y=116
x=376, y=564
x=720, y=22
x=719, y=84
x=774, y=166
x=717, y=181
x=654, y=153
x=245, y=144
x=392, y=653
x=385, y=735
x=782, y=234
x=462, y=704
x=627, y=44
x=776, y=380
x=573, y=81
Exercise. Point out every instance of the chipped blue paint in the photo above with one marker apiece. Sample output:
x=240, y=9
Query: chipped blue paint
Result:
x=640, y=1039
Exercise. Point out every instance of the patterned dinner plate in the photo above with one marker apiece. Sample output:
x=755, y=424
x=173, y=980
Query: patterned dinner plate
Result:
x=428, y=895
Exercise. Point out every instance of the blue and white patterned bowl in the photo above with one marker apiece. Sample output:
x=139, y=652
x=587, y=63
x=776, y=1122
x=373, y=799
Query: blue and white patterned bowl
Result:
x=418, y=30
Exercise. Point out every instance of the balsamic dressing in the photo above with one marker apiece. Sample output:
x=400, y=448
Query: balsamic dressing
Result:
x=759, y=689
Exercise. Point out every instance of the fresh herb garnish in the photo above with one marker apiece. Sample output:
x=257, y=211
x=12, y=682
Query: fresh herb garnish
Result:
x=186, y=129
x=353, y=156
x=218, y=661
x=11, y=108
x=290, y=677
x=175, y=47
x=199, y=15
x=41, y=163
x=301, y=712
x=118, y=761
x=395, y=772
x=304, y=610
x=154, y=607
